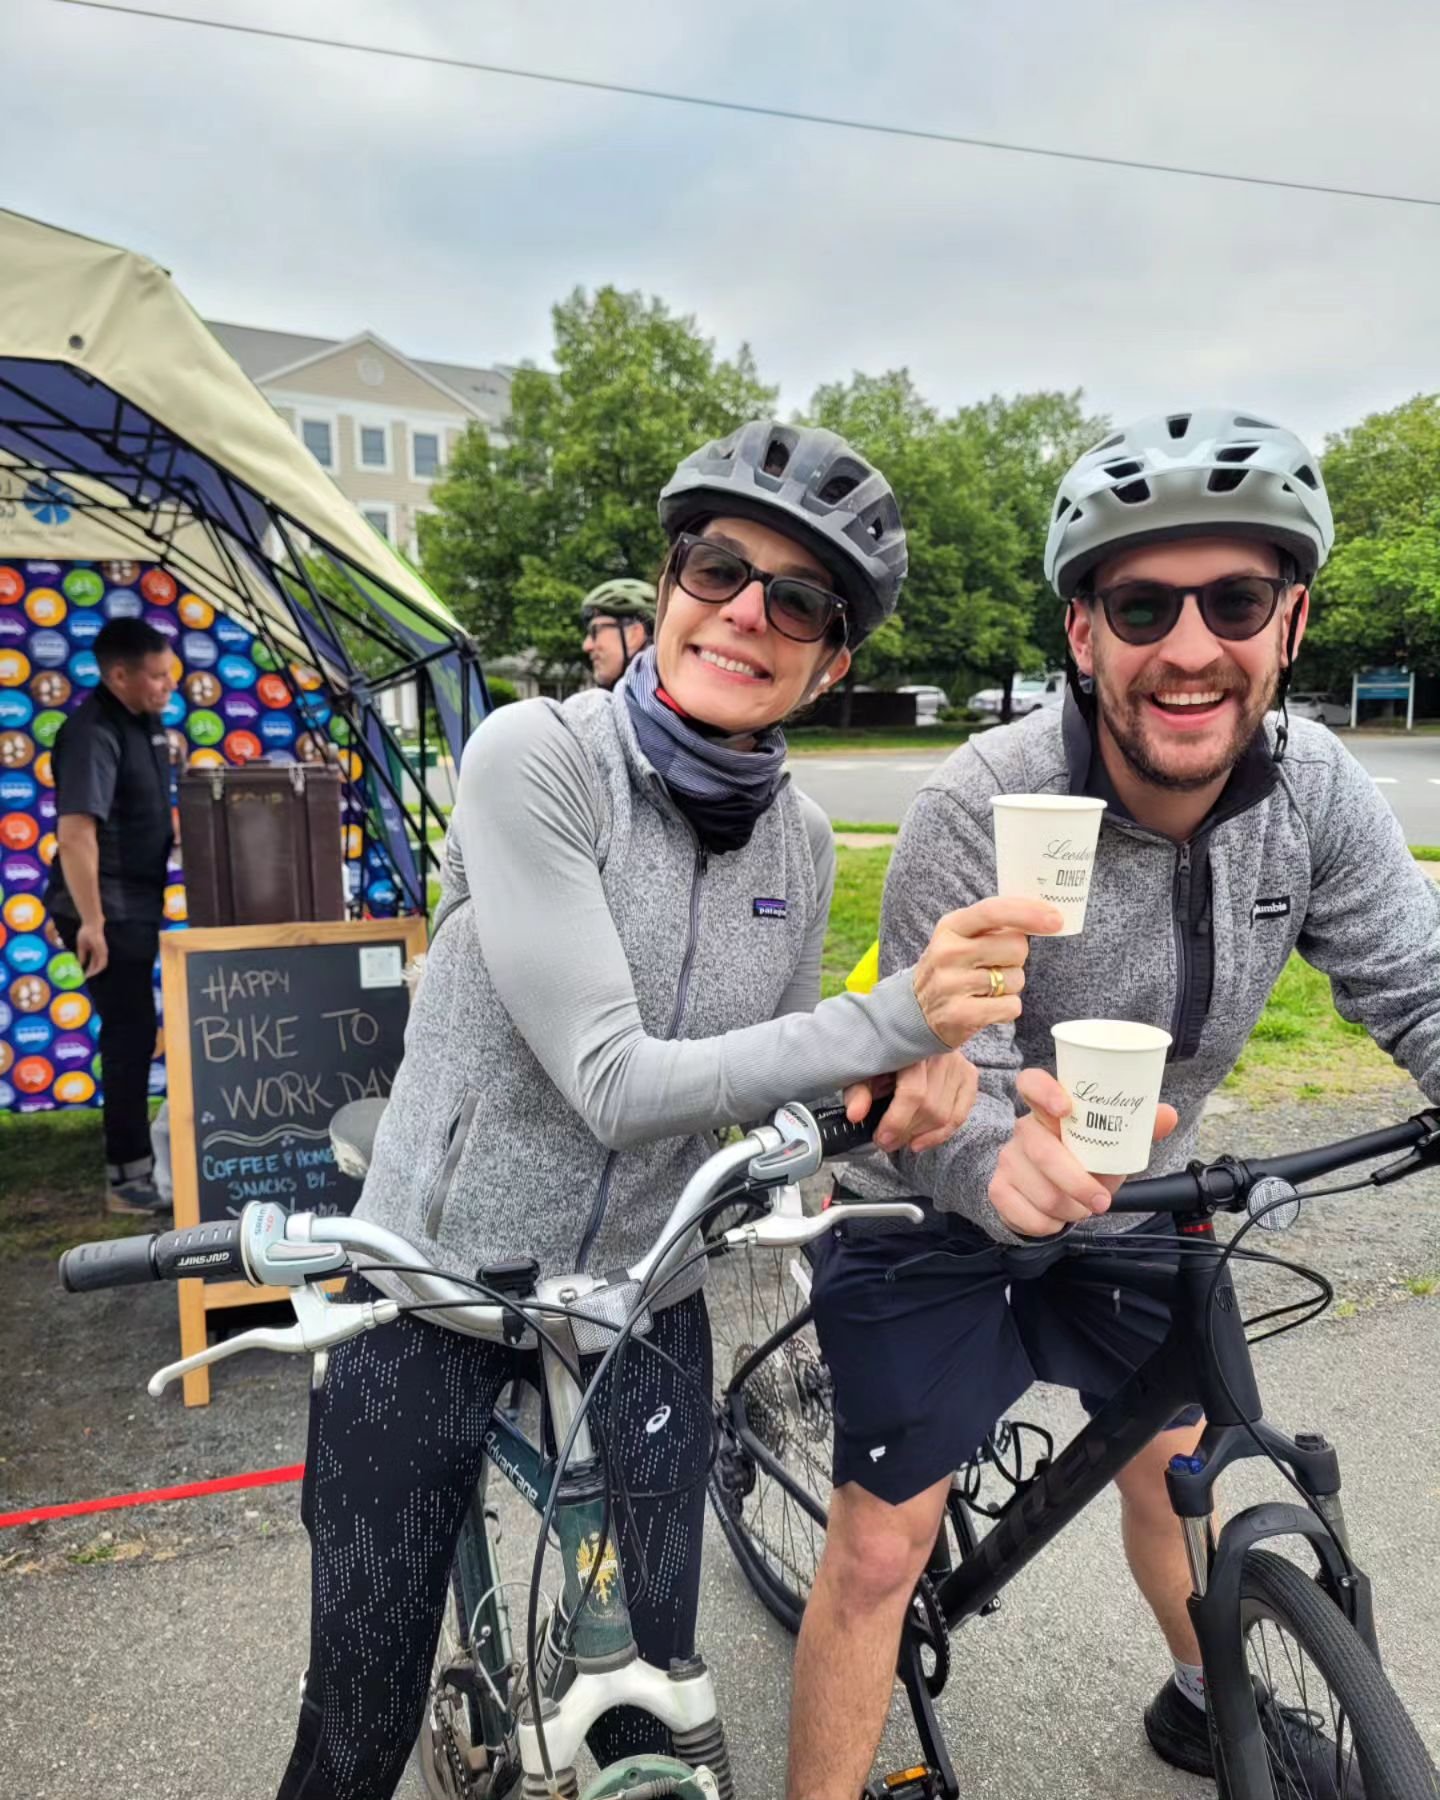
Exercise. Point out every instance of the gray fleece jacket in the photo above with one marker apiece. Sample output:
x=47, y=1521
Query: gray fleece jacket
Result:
x=1299, y=855
x=599, y=994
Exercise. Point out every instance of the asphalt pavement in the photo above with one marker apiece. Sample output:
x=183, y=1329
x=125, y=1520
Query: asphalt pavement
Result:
x=876, y=787
x=154, y=1653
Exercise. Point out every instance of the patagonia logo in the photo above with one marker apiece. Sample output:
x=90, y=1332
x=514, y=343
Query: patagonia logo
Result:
x=769, y=909
x=1276, y=907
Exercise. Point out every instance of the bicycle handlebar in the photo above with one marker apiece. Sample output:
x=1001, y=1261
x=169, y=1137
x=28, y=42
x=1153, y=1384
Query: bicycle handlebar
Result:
x=205, y=1250
x=1224, y=1184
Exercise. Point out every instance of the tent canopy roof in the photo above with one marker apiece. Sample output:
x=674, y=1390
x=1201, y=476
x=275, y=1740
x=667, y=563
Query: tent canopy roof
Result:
x=107, y=376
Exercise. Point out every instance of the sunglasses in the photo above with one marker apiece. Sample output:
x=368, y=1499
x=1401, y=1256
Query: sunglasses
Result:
x=798, y=610
x=1235, y=607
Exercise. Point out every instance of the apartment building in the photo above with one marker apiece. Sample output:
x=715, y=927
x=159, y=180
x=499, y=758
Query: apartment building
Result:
x=381, y=423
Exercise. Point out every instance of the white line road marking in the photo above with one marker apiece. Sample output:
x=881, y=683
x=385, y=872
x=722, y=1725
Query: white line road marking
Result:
x=1385, y=780
x=1434, y=780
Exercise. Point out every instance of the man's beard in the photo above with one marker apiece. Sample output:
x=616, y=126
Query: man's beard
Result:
x=1125, y=719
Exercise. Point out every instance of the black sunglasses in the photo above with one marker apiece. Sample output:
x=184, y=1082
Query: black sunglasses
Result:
x=1235, y=607
x=798, y=610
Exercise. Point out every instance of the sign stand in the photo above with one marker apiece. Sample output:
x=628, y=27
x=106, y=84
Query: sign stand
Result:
x=269, y=1030
x=1383, y=684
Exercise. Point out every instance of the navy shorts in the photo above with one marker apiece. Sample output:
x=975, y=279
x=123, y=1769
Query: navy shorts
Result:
x=932, y=1332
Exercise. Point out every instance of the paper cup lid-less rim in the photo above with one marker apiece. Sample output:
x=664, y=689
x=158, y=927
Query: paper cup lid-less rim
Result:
x=1048, y=802
x=1110, y=1034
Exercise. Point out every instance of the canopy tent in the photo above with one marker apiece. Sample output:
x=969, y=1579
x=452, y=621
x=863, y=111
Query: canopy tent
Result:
x=127, y=431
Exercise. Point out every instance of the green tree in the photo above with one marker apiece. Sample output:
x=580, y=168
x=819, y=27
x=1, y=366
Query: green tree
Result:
x=1377, y=601
x=975, y=492
x=523, y=528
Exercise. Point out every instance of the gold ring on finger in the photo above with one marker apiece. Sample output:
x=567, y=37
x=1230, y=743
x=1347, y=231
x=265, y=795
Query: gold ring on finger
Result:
x=997, y=982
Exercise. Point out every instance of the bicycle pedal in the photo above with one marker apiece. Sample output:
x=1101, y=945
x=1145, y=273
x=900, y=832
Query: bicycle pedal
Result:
x=918, y=1782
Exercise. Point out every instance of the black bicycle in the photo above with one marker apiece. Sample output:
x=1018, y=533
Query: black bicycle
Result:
x=1290, y=1656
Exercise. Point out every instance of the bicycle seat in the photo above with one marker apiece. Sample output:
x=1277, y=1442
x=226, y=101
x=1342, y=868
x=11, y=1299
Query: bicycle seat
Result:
x=352, y=1135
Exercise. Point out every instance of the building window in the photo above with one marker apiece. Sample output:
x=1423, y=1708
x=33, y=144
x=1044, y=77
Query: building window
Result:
x=374, y=447
x=380, y=518
x=424, y=455
x=318, y=437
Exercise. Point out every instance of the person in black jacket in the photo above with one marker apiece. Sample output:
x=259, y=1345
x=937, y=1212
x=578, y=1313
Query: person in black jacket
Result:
x=107, y=883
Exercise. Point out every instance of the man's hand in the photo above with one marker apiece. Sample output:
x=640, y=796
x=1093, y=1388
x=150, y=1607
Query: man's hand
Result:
x=1038, y=1187
x=952, y=977
x=932, y=1100
x=91, y=948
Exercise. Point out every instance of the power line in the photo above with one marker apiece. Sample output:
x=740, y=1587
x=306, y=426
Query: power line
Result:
x=752, y=109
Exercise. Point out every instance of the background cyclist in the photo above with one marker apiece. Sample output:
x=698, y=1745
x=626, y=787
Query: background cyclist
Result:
x=618, y=619
x=625, y=957
x=1183, y=547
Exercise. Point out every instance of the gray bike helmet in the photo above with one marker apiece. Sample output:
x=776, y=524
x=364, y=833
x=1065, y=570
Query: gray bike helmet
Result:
x=810, y=482
x=622, y=598
x=1212, y=472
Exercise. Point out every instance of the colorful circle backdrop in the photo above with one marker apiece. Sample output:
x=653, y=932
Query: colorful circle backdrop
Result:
x=235, y=701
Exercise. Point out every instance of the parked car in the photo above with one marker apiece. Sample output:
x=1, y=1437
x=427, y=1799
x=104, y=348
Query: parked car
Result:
x=930, y=702
x=1028, y=694
x=1329, y=709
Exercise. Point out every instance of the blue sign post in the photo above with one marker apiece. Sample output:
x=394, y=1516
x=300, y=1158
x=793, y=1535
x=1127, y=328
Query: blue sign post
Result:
x=1383, y=684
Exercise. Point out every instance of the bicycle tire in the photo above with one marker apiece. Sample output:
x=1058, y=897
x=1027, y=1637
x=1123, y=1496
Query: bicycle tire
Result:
x=1388, y=1752
x=777, y=1419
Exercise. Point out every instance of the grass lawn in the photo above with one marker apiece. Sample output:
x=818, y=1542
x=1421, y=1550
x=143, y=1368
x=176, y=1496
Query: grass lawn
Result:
x=53, y=1184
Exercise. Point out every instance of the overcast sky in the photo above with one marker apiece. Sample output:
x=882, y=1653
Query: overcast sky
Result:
x=324, y=192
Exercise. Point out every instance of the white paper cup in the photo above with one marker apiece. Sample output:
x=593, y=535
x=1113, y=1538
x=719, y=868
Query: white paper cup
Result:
x=1045, y=850
x=1112, y=1070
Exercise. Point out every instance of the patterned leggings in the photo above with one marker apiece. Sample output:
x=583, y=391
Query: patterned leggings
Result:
x=395, y=1450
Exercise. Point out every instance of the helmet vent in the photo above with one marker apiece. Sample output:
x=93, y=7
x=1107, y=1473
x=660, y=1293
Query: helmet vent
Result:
x=1117, y=437
x=1225, y=481
x=1248, y=424
x=1132, y=493
x=836, y=488
x=1306, y=474
x=777, y=457
x=1178, y=425
x=1236, y=453
x=1061, y=504
x=1120, y=470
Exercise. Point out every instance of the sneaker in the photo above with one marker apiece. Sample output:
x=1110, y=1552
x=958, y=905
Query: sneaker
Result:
x=1179, y=1731
x=138, y=1199
x=1305, y=1758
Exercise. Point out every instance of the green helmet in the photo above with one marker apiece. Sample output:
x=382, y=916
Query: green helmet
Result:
x=620, y=599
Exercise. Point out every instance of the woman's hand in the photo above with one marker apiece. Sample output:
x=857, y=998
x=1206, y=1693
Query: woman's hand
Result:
x=932, y=1100
x=953, y=978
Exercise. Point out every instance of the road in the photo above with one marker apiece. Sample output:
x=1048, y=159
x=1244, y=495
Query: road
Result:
x=877, y=787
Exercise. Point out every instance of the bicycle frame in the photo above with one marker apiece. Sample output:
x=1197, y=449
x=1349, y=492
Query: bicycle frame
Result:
x=588, y=1661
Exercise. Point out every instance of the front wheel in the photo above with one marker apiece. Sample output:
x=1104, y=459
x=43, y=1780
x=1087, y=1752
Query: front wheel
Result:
x=1334, y=1726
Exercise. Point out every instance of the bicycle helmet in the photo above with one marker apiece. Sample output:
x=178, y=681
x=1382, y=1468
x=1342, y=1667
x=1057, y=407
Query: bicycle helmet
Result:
x=809, y=482
x=1212, y=472
x=622, y=598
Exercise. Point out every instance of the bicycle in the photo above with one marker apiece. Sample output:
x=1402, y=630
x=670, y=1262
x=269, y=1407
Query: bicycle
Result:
x=1275, y=1642
x=499, y=1722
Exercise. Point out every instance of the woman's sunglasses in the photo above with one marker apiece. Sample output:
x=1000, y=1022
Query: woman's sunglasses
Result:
x=797, y=609
x=1235, y=607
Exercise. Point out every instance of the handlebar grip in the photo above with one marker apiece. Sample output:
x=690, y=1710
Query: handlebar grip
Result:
x=207, y=1251
x=198, y=1250
x=838, y=1135
x=116, y=1262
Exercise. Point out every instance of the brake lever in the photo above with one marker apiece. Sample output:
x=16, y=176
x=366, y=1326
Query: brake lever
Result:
x=319, y=1324
x=1423, y=1155
x=776, y=1231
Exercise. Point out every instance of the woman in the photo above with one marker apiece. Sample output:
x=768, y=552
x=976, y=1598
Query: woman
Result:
x=626, y=956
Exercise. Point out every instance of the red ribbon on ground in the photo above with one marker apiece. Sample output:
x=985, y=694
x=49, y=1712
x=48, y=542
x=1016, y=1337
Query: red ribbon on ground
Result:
x=191, y=1490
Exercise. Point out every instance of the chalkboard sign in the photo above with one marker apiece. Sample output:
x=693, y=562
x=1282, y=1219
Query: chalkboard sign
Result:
x=269, y=1031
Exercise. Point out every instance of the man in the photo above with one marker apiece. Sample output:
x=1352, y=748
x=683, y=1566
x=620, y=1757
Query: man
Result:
x=619, y=621
x=1183, y=548
x=107, y=884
